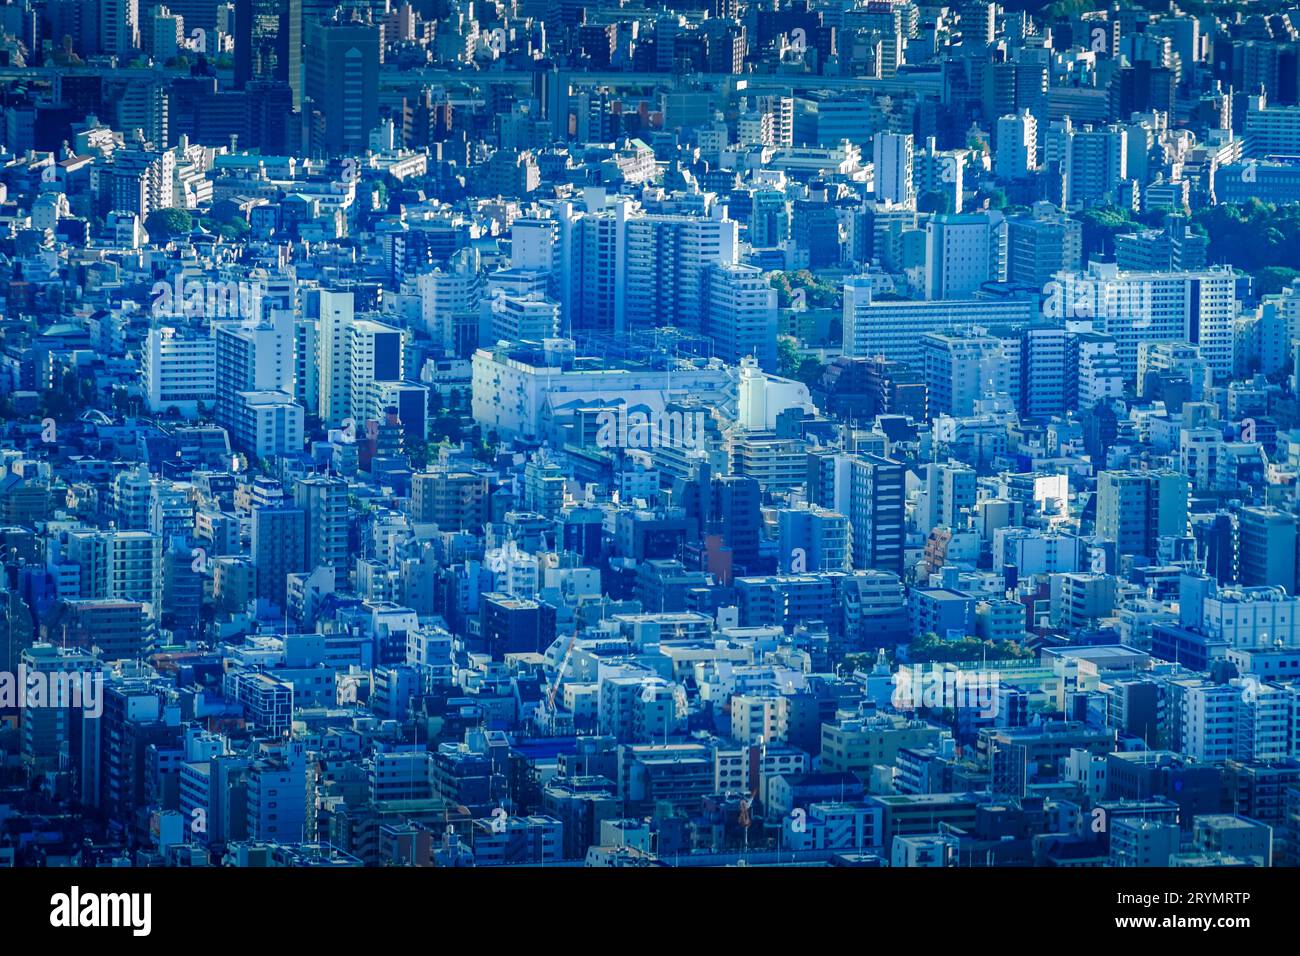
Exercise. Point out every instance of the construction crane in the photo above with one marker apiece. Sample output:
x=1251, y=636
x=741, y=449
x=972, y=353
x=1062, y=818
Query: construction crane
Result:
x=745, y=819
x=559, y=676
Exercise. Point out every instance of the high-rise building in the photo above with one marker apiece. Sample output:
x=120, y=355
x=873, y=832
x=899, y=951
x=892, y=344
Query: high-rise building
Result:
x=333, y=351
x=876, y=513
x=117, y=744
x=144, y=105
x=892, y=157
x=813, y=539
x=890, y=327
x=449, y=297
x=962, y=253
x=962, y=370
x=252, y=358
x=1043, y=362
x=1041, y=245
x=781, y=110
x=667, y=264
x=163, y=34
x=354, y=356
x=940, y=173
x=544, y=484
x=949, y=498
x=978, y=22
x=126, y=565
x=279, y=798
x=375, y=356
x=1266, y=548
x=734, y=510
x=512, y=625
x=593, y=256
x=279, y=548
x=1137, y=508
x=1016, y=146
x=324, y=500
x=1134, y=307
x=1094, y=371
x=742, y=315
x=1271, y=129
x=119, y=26
x=178, y=367
x=268, y=43
x=1093, y=161
x=531, y=317
x=50, y=734
x=769, y=220
x=342, y=83
x=267, y=423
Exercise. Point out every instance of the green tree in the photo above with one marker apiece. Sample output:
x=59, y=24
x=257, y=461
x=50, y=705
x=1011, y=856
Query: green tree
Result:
x=166, y=224
x=787, y=356
x=418, y=450
x=935, y=202
x=1273, y=279
x=1252, y=236
x=784, y=294
x=448, y=427
x=995, y=196
x=1101, y=224
x=1066, y=9
x=809, y=371
x=929, y=647
x=234, y=230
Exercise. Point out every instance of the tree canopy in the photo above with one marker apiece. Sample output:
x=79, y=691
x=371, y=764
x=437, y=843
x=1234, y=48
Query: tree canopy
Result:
x=818, y=293
x=930, y=647
x=168, y=223
x=1253, y=236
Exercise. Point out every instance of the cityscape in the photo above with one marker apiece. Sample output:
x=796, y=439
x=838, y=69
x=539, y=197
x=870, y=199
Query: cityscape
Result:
x=653, y=434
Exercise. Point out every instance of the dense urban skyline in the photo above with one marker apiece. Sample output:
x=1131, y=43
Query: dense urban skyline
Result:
x=799, y=433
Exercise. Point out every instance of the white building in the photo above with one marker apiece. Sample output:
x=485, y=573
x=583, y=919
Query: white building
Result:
x=1271, y=130
x=1016, y=154
x=666, y=263
x=742, y=314
x=963, y=370
x=1037, y=552
x=514, y=388
x=892, y=157
x=449, y=299
x=253, y=359
x=333, y=350
x=122, y=565
x=1094, y=160
x=268, y=423
x=1136, y=307
x=1100, y=373
x=964, y=252
x=1253, y=617
x=528, y=317
x=178, y=368
x=893, y=328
